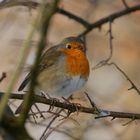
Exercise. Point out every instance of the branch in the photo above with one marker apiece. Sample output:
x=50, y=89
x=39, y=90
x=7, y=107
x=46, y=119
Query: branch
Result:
x=74, y=108
x=113, y=16
x=89, y=27
x=74, y=17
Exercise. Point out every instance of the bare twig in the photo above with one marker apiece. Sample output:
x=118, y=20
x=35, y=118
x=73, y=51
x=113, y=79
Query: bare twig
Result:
x=3, y=76
x=34, y=116
x=104, y=62
x=92, y=103
x=110, y=41
x=52, y=129
x=128, y=122
x=133, y=86
x=57, y=114
x=41, y=114
x=50, y=123
x=125, y=4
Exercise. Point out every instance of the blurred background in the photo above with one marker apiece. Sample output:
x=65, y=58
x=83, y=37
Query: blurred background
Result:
x=106, y=86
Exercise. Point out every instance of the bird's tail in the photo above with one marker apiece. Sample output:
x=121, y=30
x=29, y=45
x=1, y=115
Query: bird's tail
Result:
x=25, y=82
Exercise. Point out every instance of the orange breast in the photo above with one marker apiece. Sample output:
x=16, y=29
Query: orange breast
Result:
x=76, y=63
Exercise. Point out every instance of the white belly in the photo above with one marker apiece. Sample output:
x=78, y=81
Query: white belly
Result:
x=66, y=89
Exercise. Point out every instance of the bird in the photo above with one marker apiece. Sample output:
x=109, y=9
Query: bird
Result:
x=62, y=70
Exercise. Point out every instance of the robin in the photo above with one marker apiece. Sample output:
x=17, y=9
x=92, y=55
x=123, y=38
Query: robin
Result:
x=63, y=69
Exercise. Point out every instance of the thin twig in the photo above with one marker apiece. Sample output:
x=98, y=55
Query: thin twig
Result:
x=128, y=122
x=50, y=123
x=125, y=4
x=104, y=62
x=92, y=103
x=110, y=41
x=133, y=86
x=52, y=129
x=3, y=76
x=34, y=116
x=41, y=114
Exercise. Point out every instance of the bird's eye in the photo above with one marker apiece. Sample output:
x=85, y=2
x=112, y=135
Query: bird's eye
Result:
x=68, y=46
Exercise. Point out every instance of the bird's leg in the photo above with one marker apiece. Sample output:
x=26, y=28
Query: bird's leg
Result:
x=53, y=101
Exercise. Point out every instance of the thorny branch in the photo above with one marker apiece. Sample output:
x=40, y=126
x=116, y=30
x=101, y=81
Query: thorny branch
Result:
x=73, y=108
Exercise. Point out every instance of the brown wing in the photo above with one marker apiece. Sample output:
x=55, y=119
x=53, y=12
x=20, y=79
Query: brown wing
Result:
x=48, y=59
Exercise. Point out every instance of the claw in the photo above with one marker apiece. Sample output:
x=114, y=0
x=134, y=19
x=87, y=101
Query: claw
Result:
x=54, y=100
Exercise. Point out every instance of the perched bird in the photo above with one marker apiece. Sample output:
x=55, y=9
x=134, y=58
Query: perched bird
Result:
x=63, y=69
